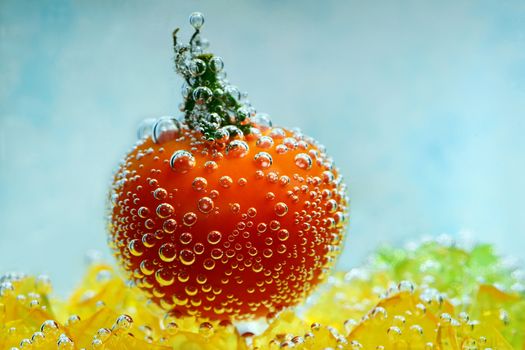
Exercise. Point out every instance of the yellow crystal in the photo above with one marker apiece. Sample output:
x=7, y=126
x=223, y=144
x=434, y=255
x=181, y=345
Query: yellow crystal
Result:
x=457, y=299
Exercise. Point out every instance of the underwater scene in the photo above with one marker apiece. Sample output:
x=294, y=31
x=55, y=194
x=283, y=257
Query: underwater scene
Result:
x=161, y=217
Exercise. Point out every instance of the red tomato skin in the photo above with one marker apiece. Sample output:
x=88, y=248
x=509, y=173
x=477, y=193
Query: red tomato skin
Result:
x=223, y=232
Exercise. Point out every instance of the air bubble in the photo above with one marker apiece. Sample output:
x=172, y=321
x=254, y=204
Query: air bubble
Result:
x=234, y=92
x=275, y=225
x=165, y=210
x=234, y=133
x=235, y=208
x=202, y=95
x=216, y=253
x=164, y=277
x=123, y=322
x=210, y=166
x=147, y=267
x=242, y=114
x=416, y=330
x=145, y=128
x=49, y=327
x=189, y=219
x=284, y=180
x=185, y=238
x=216, y=64
x=160, y=193
x=214, y=119
x=186, y=90
x=187, y=257
x=225, y=181
x=237, y=149
x=73, y=319
x=103, y=334
x=182, y=161
x=169, y=226
x=191, y=290
x=303, y=161
x=198, y=248
x=290, y=142
x=331, y=206
x=283, y=235
x=135, y=248
x=281, y=209
x=302, y=145
x=222, y=135
x=199, y=184
x=166, y=129
x=252, y=212
x=167, y=252
x=149, y=224
x=209, y=264
x=148, y=240
x=206, y=329
x=267, y=253
x=394, y=331
x=196, y=20
x=277, y=133
x=379, y=313
x=201, y=279
x=445, y=317
x=38, y=338
x=263, y=160
x=197, y=67
x=170, y=325
x=205, y=205
x=405, y=286
x=281, y=149
x=214, y=237
x=264, y=142
x=328, y=177
x=64, y=342
x=262, y=121
x=262, y=227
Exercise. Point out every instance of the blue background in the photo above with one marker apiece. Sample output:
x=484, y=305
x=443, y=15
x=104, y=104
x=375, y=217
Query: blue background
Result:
x=421, y=103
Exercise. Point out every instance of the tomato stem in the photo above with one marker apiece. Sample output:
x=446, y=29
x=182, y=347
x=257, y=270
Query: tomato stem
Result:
x=211, y=105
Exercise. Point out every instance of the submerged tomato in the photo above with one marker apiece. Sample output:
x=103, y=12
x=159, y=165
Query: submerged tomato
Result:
x=218, y=214
x=236, y=229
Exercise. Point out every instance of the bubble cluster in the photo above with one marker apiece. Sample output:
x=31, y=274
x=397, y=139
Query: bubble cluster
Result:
x=230, y=228
x=212, y=106
x=401, y=299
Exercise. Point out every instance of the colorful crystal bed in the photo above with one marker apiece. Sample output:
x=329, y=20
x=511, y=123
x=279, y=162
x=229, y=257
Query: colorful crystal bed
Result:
x=226, y=228
x=435, y=295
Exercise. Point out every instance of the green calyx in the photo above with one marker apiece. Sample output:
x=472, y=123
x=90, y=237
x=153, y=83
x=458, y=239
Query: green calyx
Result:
x=211, y=105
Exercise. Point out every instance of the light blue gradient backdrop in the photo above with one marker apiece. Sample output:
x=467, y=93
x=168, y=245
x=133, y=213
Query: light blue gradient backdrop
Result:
x=422, y=105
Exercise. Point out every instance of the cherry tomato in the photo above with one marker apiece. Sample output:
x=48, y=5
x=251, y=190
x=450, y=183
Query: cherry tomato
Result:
x=235, y=229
